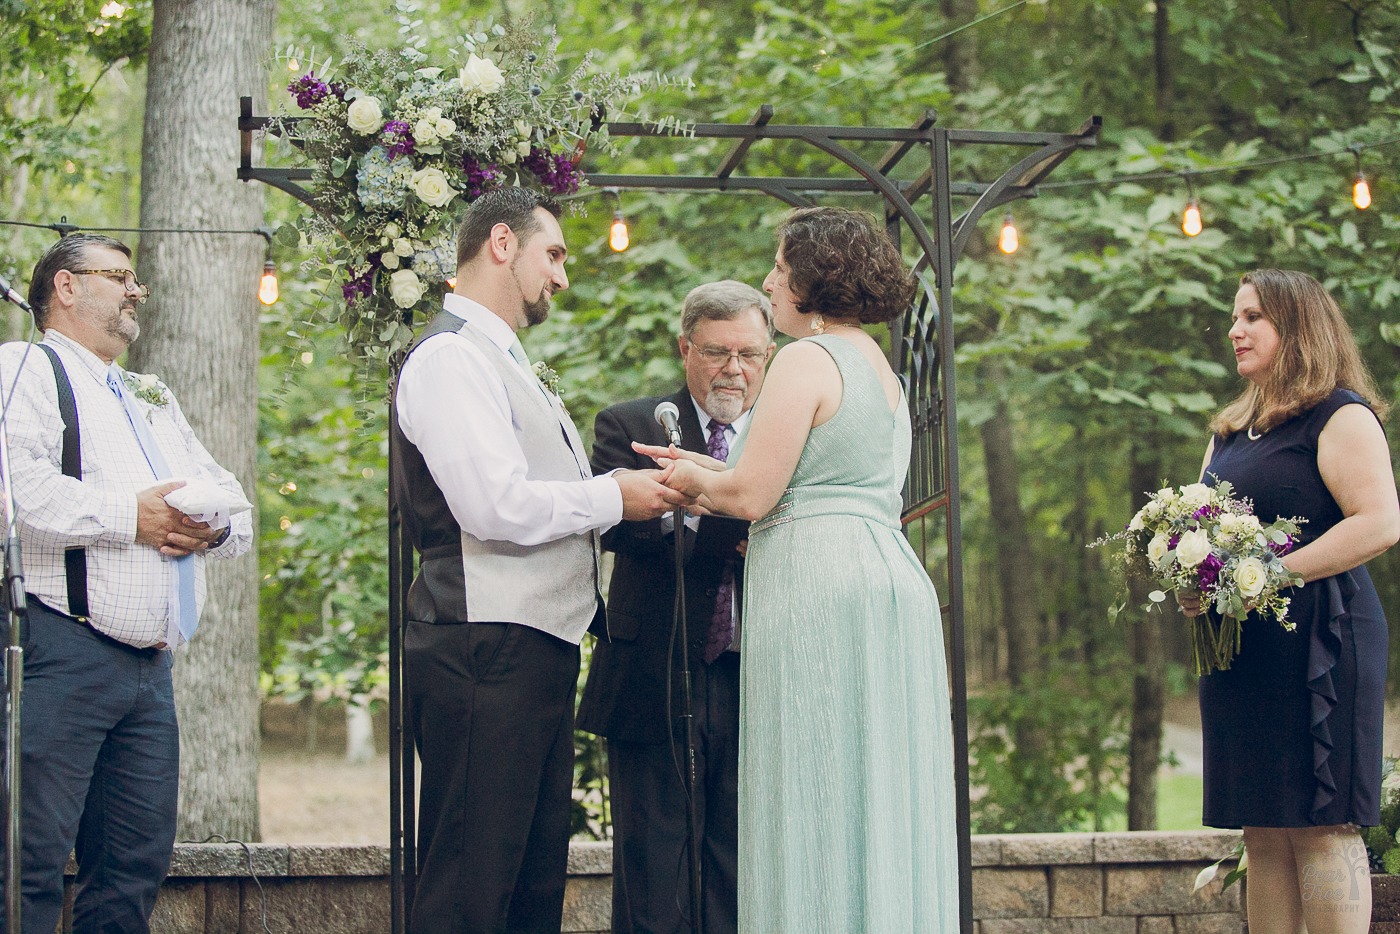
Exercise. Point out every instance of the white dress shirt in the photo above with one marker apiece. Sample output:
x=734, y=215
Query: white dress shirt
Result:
x=453, y=406
x=129, y=585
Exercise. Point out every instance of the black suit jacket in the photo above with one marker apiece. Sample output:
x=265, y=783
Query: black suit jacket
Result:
x=625, y=697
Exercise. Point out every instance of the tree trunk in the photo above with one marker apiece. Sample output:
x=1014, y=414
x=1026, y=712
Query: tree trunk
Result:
x=200, y=333
x=960, y=49
x=1149, y=666
x=1165, y=72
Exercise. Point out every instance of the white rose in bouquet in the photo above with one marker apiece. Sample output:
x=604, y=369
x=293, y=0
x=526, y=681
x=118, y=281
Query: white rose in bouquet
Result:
x=1193, y=548
x=1251, y=576
x=1195, y=495
x=364, y=115
x=1157, y=548
x=432, y=187
x=405, y=288
x=481, y=74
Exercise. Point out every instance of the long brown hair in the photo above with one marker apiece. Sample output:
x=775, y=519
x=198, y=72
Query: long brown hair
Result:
x=1316, y=354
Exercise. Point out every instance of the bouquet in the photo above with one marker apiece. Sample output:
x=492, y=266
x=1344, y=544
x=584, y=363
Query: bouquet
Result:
x=1198, y=538
x=398, y=145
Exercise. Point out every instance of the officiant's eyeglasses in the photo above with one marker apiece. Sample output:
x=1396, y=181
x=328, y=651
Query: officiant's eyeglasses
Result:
x=748, y=359
x=126, y=277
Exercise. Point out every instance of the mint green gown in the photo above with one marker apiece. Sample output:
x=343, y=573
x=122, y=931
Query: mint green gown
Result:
x=846, y=813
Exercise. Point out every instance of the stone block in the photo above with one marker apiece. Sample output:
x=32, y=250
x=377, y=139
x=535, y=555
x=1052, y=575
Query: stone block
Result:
x=1164, y=846
x=324, y=905
x=179, y=908
x=590, y=858
x=304, y=860
x=587, y=905
x=1010, y=893
x=1060, y=926
x=1076, y=891
x=230, y=859
x=223, y=903
x=1163, y=890
x=1156, y=924
x=986, y=850
x=1046, y=849
x=1223, y=922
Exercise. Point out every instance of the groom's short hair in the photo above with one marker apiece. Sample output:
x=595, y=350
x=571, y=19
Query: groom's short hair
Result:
x=512, y=206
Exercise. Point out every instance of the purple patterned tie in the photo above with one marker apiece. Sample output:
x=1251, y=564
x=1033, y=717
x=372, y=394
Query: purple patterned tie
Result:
x=722, y=622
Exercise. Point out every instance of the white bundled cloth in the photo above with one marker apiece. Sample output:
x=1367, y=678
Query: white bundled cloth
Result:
x=205, y=501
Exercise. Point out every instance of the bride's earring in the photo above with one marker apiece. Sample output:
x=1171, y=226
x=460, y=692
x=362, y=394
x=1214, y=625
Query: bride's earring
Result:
x=818, y=323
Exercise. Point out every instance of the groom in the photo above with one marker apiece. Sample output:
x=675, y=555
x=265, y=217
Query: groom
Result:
x=498, y=499
x=726, y=340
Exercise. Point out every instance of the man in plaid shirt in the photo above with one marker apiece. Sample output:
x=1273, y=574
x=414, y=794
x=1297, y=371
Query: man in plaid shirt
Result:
x=99, y=738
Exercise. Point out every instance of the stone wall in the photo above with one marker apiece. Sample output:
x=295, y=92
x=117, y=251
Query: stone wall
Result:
x=1107, y=883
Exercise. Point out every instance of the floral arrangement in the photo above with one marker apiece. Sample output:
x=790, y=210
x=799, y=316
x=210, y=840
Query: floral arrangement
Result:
x=1199, y=538
x=1383, y=840
x=148, y=388
x=547, y=377
x=398, y=146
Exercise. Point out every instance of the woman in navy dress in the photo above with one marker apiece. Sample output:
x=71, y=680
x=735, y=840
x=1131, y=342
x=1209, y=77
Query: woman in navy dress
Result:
x=1292, y=730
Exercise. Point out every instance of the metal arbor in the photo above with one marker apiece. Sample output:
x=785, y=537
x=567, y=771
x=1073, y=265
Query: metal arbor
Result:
x=921, y=351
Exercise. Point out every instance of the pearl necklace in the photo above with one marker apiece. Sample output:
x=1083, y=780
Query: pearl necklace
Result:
x=1249, y=433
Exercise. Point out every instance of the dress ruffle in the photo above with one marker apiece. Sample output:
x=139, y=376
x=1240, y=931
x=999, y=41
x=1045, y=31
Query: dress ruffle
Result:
x=1324, y=652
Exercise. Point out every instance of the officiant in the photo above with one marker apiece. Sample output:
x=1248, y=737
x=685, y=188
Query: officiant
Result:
x=115, y=581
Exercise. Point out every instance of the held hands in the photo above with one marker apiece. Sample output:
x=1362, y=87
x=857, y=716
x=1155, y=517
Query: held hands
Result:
x=1190, y=603
x=165, y=528
x=686, y=471
x=646, y=495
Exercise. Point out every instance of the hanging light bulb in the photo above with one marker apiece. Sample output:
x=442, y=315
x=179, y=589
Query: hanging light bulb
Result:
x=267, y=288
x=1191, y=219
x=1360, y=188
x=1361, y=192
x=452, y=283
x=618, y=238
x=1009, y=241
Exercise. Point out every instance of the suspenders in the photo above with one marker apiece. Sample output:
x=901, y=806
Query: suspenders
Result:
x=74, y=559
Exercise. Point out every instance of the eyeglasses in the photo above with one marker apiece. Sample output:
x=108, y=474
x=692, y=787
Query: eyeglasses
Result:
x=126, y=277
x=717, y=357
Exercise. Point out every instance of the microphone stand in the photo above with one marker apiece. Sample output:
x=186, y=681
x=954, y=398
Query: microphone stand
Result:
x=17, y=610
x=692, y=816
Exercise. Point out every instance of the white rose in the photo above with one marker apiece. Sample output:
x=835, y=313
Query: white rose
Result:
x=1195, y=495
x=1157, y=548
x=481, y=74
x=445, y=127
x=432, y=187
x=1250, y=577
x=425, y=132
x=1166, y=494
x=432, y=114
x=405, y=288
x=389, y=260
x=403, y=246
x=1137, y=524
x=145, y=382
x=1193, y=548
x=1250, y=523
x=523, y=147
x=391, y=230
x=364, y=115
x=1229, y=523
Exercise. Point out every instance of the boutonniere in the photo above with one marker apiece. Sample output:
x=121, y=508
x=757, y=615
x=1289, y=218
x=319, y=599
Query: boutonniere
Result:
x=148, y=388
x=547, y=377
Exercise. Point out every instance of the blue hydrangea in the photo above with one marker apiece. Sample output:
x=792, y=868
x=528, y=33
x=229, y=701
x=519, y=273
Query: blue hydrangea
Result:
x=442, y=257
x=383, y=183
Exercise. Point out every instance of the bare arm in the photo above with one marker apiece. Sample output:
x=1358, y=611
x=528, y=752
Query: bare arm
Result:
x=1354, y=460
x=802, y=389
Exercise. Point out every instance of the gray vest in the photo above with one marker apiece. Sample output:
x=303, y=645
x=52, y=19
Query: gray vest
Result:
x=552, y=587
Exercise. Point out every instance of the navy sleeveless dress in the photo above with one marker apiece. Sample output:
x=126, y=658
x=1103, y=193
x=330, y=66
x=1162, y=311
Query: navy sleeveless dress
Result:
x=1292, y=730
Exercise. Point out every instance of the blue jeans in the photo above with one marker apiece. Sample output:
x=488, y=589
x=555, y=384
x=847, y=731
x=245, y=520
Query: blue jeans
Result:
x=99, y=771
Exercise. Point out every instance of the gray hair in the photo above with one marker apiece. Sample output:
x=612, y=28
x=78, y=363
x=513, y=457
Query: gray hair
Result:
x=723, y=301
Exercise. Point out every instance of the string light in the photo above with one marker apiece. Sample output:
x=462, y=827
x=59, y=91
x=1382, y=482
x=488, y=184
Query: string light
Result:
x=618, y=237
x=1360, y=188
x=1191, y=217
x=267, y=287
x=1009, y=241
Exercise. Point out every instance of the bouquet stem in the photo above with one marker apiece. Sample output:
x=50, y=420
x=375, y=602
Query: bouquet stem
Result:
x=1214, y=642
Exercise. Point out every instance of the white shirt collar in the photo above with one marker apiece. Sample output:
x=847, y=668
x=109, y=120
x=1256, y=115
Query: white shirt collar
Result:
x=89, y=360
x=480, y=317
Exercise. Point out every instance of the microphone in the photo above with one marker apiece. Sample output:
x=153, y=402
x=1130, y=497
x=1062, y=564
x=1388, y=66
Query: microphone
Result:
x=667, y=416
x=13, y=296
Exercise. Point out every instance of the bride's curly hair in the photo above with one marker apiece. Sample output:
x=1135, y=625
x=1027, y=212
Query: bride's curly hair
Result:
x=842, y=264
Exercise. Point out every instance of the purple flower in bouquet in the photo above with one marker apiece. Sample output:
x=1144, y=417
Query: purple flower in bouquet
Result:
x=480, y=176
x=309, y=90
x=398, y=137
x=361, y=286
x=558, y=173
x=1282, y=548
x=1208, y=571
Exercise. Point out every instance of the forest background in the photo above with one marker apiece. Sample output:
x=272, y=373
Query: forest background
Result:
x=1088, y=362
